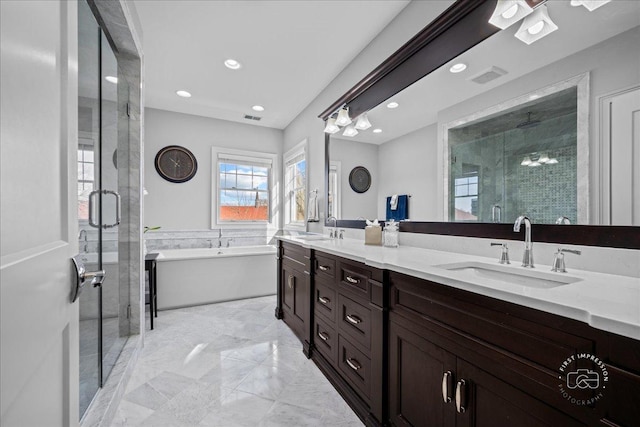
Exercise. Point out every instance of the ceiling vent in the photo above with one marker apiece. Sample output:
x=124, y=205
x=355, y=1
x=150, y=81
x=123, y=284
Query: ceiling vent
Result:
x=488, y=75
x=256, y=118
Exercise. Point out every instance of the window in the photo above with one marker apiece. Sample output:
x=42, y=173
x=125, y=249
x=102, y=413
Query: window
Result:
x=86, y=177
x=466, y=195
x=295, y=186
x=243, y=188
x=334, y=189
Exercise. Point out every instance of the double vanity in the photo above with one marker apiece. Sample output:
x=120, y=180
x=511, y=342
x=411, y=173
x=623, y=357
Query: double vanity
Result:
x=420, y=337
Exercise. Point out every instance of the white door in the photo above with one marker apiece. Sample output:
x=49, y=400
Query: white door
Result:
x=38, y=213
x=625, y=158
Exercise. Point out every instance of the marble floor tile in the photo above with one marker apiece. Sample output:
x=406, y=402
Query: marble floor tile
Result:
x=229, y=364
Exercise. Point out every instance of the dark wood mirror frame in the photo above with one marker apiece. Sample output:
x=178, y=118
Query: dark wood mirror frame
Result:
x=459, y=28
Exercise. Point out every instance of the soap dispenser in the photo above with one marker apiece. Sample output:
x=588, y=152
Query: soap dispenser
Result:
x=391, y=234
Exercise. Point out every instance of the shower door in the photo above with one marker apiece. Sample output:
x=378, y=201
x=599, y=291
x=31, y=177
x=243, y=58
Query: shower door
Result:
x=103, y=324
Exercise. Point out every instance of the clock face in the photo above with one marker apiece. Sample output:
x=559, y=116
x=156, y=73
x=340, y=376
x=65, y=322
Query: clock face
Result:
x=176, y=164
x=360, y=179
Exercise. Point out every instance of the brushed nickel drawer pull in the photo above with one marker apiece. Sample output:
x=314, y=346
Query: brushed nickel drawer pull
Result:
x=324, y=300
x=354, y=364
x=352, y=280
x=323, y=336
x=290, y=281
x=324, y=267
x=461, y=398
x=446, y=379
x=354, y=319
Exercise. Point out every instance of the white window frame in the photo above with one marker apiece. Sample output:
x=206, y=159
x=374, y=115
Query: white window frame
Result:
x=335, y=167
x=248, y=157
x=299, y=150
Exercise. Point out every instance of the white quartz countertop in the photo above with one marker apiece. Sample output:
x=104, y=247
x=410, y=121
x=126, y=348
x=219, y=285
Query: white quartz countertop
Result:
x=605, y=301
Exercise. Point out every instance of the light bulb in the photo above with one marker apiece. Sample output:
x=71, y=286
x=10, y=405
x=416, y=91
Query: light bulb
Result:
x=363, y=122
x=533, y=164
x=536, y=28
x=331, y=127
x=350, y=131
x=543, y=158
x=510, y=13
x=526, y=161
x=183, y=94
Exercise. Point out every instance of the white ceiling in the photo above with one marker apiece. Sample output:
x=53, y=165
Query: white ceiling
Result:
x=421, y=102
x=290, y=51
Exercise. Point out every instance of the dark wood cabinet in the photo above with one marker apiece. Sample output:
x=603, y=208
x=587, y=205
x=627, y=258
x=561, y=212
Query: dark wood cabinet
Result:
x=405, y=351
x=295, y=292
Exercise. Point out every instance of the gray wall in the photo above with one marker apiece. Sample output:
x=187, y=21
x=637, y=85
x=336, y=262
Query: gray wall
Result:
x=407, y=165
x=187, y=206
x=352, y=154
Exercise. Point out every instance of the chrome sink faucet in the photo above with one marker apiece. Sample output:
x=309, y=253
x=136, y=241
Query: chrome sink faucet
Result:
x=527, y=257
x=334, y=232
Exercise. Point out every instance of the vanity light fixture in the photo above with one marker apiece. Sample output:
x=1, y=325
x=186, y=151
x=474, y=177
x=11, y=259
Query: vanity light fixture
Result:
x=343, y=117
x=377, y=130
x=536, y=25
x=392, y=105
x=257, y=108
x=534, y=164
x=544, y=158
x=590, y=5
x=363, y=122
x=508, y=12
x=526, y=161
x=112, y=79
x=458, y=68
x=331, y=126
x=183, y=94
x=350, y=131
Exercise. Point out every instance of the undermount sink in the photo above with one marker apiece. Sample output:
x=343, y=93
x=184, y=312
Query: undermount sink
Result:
x=511, y=275
x=312, y=237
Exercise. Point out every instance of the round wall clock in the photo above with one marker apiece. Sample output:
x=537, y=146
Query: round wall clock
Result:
x=176, y=164
x=360, y=179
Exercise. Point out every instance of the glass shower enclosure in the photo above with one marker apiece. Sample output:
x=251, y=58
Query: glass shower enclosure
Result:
x=103, y=321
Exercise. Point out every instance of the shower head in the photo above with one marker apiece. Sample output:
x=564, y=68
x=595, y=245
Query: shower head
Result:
x=529, y=123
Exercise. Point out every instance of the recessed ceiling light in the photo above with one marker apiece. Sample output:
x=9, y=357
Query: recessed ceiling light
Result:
x=393, y=105
x=183, y=93
x=257, y=108
x=458, y=68
x=232, y=63
x=112, y=79
x=377, y=131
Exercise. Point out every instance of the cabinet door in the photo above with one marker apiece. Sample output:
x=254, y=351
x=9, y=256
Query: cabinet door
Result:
x=417, y=371
x=486, y=401
x=295, y=298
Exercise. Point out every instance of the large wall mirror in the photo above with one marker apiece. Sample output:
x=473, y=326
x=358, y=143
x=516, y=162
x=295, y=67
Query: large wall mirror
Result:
x=521, y=130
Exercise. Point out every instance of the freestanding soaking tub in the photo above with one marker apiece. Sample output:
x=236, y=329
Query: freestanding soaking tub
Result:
x=188, y=277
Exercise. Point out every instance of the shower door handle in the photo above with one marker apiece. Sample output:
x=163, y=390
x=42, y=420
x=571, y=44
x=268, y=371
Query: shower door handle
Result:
x=82, y=275
x=91, y=209
x=118, y=210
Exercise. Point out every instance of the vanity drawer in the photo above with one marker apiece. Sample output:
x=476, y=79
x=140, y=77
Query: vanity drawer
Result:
x=297, y=254
x=325, y=301
x=325, y=267
x=354, y=320
x=355, y=279
x=355, y=366
x=326, y=340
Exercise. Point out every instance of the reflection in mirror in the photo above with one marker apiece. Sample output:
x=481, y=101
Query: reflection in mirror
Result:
x=522, y=160
x=410, y=155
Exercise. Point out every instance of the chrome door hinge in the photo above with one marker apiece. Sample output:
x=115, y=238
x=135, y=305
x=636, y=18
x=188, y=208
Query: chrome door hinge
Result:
x=128, y=110
x=129, y=311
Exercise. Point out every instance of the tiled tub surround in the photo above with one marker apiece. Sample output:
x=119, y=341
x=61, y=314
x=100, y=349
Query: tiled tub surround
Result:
x=196, y=276
x=225, y=237
x=610, y=302
x=229, y=364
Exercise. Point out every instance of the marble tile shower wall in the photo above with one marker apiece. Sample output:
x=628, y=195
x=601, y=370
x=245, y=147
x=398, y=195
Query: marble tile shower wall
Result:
x=184, y=239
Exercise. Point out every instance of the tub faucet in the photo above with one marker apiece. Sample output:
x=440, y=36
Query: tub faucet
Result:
x=496, y=213
x=563, y=220
x=334, y=232
x=229, y=240
x=210, y=243
x=527, y=257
